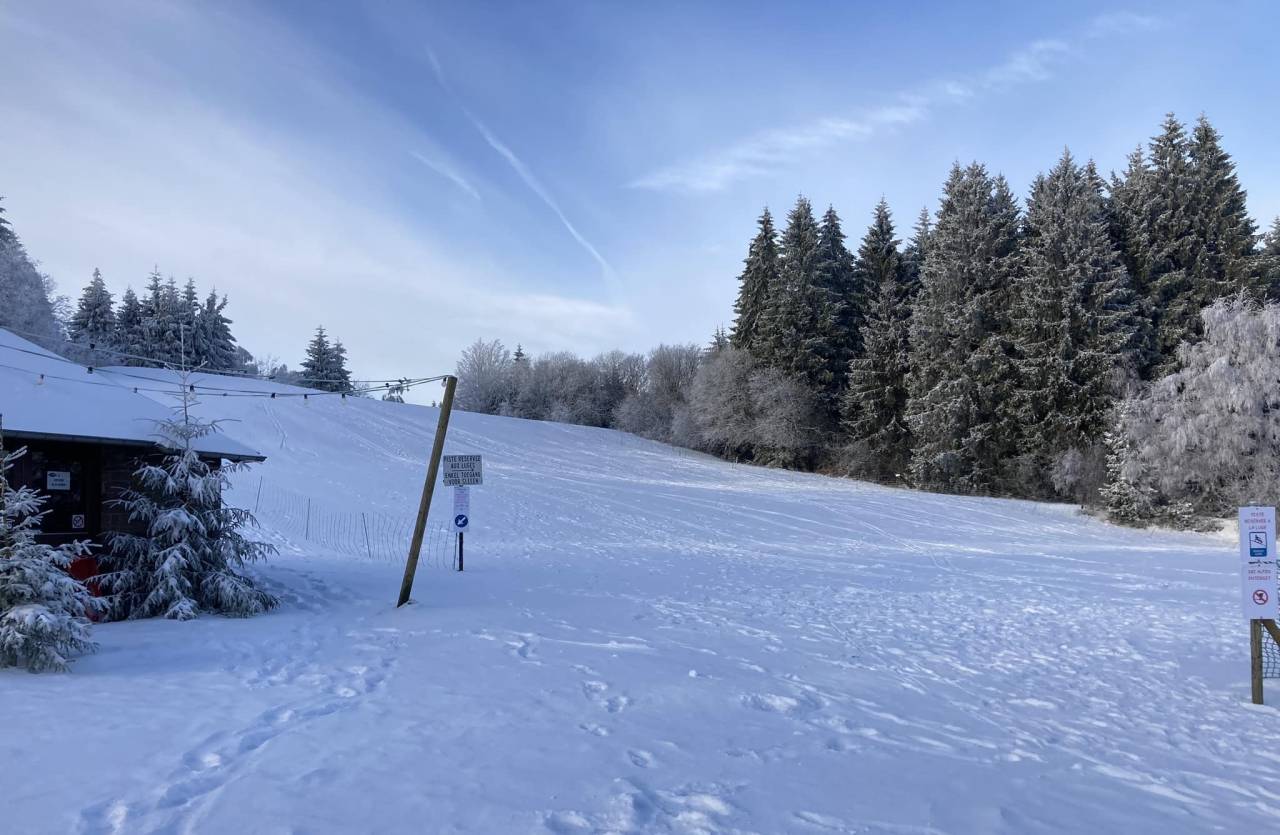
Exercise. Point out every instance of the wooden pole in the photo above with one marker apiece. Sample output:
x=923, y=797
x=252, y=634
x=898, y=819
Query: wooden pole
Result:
x=1255, y=659
x=461, y=536
x=433, y=469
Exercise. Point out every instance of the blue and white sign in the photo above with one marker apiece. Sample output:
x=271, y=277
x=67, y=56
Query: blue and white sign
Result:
x=461, y=509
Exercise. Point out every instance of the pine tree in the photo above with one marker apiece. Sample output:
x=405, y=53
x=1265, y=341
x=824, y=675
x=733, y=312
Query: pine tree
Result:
x=1224, y=261
x=873, y=409
x=798, y=335
x=6, y=230
x=215, y=347
x=44, y=612
x=1127, y=219
x=315, y=368
x=1270, y=257
x=913, y=254
x=1074, y=331
x=719, y=341
x=850, y=293
x=187, y=560
x=341, y=377
x=962, y=372
x=757, y=283
x=130, y=331
x=325, y=366
x=94, y=321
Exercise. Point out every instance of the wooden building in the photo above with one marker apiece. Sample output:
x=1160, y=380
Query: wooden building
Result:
x=85, y=434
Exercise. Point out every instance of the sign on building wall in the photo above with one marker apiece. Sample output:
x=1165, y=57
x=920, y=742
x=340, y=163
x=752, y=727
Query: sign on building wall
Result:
x=57, y=480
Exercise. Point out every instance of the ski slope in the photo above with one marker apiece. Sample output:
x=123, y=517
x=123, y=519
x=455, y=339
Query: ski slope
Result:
x=647, y=640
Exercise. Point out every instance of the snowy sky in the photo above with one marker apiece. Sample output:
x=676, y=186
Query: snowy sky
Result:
x=565, y=175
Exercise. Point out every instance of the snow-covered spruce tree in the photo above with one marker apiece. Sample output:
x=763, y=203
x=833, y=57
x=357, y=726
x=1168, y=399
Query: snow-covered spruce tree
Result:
x=798, y=331
x=851, y=298
x=1127, y=495
x=43, y=611
x=95, y=319
x=215, y=347
x=324, y=367
x=1073, y=325
x=962, y=370
x=1270, y=257
x=1208, y=435
x=757, y=283
x=130, y=330
x=1126, y=217
x=26, y=303
x=873, y=409
x=1224, y=260
x=187, y=560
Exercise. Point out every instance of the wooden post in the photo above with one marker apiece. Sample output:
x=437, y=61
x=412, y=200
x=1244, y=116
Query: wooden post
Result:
x=1255, y=659
x=306, y=532
x=364, y=522
x=461, y=536
x=257, y=502
x=433, y=469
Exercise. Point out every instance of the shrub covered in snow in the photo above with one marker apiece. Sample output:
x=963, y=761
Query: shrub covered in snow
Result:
x=43, y=610
x=1205, y=438
x=186, y=562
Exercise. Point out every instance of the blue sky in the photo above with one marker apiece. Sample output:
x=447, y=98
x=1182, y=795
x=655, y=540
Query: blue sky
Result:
x=575, y=176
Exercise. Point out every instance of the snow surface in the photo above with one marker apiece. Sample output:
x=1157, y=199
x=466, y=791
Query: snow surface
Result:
x=646, y=640
x=73, y=402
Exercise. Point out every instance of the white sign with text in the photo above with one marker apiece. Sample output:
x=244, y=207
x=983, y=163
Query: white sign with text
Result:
x=1258, y=562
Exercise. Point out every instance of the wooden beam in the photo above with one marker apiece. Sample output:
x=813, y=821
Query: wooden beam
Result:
x=433, y=470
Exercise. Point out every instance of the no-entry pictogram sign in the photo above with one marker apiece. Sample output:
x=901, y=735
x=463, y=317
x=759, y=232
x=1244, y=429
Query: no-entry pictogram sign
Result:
x=1260, y=597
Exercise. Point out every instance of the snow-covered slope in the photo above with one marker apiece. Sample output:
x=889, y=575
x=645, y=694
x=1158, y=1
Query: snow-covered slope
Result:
x=646, y=640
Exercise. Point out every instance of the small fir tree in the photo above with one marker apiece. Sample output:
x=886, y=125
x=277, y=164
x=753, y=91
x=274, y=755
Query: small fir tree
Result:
x=44, y=612
x=188, y=559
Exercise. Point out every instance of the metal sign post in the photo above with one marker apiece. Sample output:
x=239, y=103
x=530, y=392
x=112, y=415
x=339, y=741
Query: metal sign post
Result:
x=461, y=517
x=1259, y=584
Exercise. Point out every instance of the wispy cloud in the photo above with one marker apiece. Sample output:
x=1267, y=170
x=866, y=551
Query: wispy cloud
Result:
x=517, y=165
x=768, y=150
x=772, y=149
x=1029, y=64
x=537, y=188
x=1123, y=23
x=448, y=172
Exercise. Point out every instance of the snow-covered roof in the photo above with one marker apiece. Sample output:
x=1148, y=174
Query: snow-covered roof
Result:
x=69, y=403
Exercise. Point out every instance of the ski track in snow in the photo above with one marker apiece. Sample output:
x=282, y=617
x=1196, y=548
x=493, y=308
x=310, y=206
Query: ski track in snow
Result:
x=649, y=640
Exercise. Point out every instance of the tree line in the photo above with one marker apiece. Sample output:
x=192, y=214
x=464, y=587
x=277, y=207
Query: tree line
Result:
x=166, y=325
x=1004, y=349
